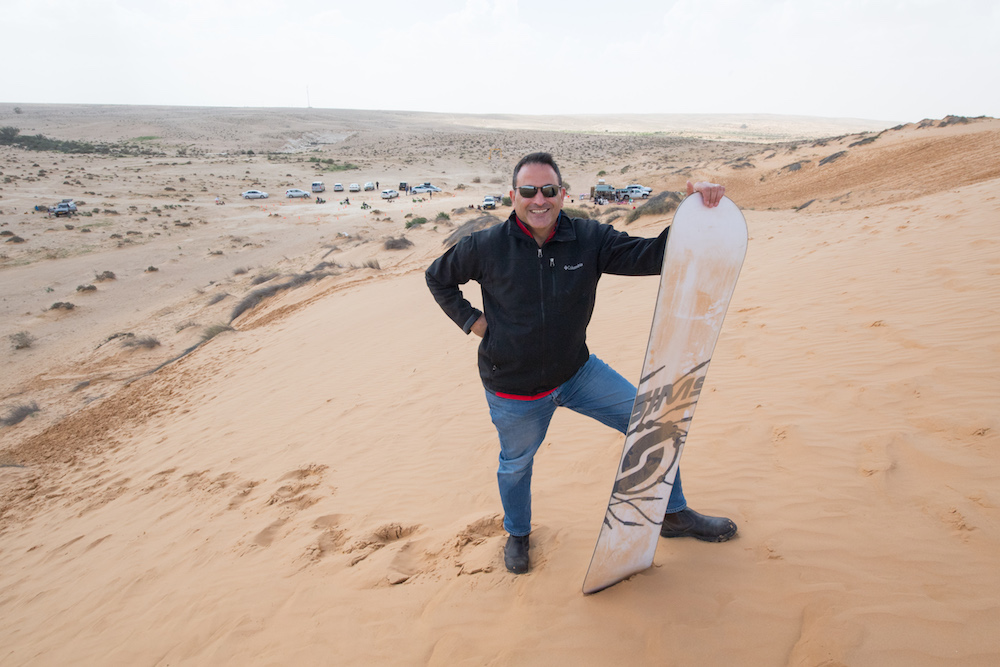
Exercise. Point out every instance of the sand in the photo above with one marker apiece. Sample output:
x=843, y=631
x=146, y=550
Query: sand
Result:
x=317, y=485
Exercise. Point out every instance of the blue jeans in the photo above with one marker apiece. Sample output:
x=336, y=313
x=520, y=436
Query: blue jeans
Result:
x=597, y=391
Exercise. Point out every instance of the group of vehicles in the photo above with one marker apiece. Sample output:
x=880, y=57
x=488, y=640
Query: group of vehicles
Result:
x=611, y=193
x=319, y=186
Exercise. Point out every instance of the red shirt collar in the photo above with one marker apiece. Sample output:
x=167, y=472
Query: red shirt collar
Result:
x=528, y=231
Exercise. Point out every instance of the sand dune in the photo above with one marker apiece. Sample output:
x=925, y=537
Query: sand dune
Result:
x=317, y=486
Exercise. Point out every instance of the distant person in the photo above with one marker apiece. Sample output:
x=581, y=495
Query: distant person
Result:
x=538, y=273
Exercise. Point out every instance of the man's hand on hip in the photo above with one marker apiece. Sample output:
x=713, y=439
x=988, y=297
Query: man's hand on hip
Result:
x=479, y=326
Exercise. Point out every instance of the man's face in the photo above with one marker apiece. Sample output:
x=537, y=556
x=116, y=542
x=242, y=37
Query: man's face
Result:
x=539, y=213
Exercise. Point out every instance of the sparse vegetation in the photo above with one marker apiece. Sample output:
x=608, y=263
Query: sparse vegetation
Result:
x=104, y=275
x=145, y=342
x=62, y=305
x=397, y=244
x=86, y=288
x=21, y=340
x=214, y=330
x=19, y=413
x=442, y=216
x=415, y=222
x=661, y=204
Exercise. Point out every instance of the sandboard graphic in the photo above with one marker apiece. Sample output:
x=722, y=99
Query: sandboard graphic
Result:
x=704, y=254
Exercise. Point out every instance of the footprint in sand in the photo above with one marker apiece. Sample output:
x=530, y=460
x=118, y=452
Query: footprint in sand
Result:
x=297, y=483
x=382, y=536
x=265, y=537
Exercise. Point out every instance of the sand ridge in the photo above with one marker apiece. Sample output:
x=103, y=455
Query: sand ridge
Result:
x=318, y=485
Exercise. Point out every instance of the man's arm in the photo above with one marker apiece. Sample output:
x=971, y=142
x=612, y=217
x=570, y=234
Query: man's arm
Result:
x=456, y=267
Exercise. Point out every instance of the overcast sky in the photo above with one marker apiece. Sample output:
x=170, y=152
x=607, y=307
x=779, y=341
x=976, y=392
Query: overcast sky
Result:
x=901, y=60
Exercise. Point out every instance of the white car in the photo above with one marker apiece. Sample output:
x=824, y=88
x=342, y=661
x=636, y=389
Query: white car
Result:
x=254, y=194
x=489, y=202
x=338, y=187
x=369, y=186
x=426, y=187
x=389, y=194
x=295, y=192
x=354, y=187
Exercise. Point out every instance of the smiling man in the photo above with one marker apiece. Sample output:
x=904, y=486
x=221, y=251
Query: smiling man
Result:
x=538, y=273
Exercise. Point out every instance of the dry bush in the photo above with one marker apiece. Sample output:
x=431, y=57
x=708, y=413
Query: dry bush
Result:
x=661, y=204
x=145, y=342
x=211, y=332
x=397, y=244
x=22, y=340
x=19, y=413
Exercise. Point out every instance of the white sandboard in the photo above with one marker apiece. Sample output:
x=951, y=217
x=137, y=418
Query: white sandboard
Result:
x=704, y=254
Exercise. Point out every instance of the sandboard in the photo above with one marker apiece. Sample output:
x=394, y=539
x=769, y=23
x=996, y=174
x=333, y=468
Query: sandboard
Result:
x=704, y=254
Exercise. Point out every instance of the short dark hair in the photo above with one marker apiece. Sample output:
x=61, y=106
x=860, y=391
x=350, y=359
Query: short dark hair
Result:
x=537, y=158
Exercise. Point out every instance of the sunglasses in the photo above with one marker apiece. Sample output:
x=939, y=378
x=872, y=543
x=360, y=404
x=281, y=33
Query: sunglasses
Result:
x=528, y=191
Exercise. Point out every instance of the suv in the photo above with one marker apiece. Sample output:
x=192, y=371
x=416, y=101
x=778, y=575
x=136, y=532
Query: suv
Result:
x=65, y=207
x=489, y=202
x=369, y=186
x=318, y=186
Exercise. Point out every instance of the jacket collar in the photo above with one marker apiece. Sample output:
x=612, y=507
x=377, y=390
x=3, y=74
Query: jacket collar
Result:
x=564, y=230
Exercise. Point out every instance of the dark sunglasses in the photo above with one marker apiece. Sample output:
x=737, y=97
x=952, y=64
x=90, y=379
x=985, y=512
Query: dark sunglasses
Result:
x=528, y=191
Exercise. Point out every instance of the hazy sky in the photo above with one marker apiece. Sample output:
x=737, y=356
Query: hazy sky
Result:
x=900, y=60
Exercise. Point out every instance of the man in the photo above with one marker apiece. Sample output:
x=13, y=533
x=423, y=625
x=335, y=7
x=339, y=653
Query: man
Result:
x=538, y=273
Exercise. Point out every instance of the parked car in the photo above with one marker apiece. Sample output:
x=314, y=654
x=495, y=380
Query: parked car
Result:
x=389, y=194
x=338, y=187
x=66, y=207
x=295, y=192
x=489, y=202
x=426, y=187
x=402, y=186
x=369, y=186
x=354, y=187
x=318, y=186
x=254, y=194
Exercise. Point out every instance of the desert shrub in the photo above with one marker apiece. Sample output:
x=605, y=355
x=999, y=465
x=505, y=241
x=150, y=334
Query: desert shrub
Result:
x=415, y=222
x=22, y=340
x=211, y=332
x=474, y=225
x=397, y=244
x=372, y=264
x=602, y=173
x=151, y=269
x=662, y=204
x=15, y=239
x=506, y=201
x=104, y=275
x=62, y=305
x=240, y=270
x=19, y=413
x=263, y=278
x=476, y=179
x=146, y=342
x=442, y=216
x=255, y=297
x=216, y=298
x=576, y=212
x=86, y=288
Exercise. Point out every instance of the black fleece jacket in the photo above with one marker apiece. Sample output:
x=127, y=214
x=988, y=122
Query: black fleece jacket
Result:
x=538, y=300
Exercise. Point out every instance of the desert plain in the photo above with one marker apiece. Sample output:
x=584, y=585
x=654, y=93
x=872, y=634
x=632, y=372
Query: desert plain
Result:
x=246, y=434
